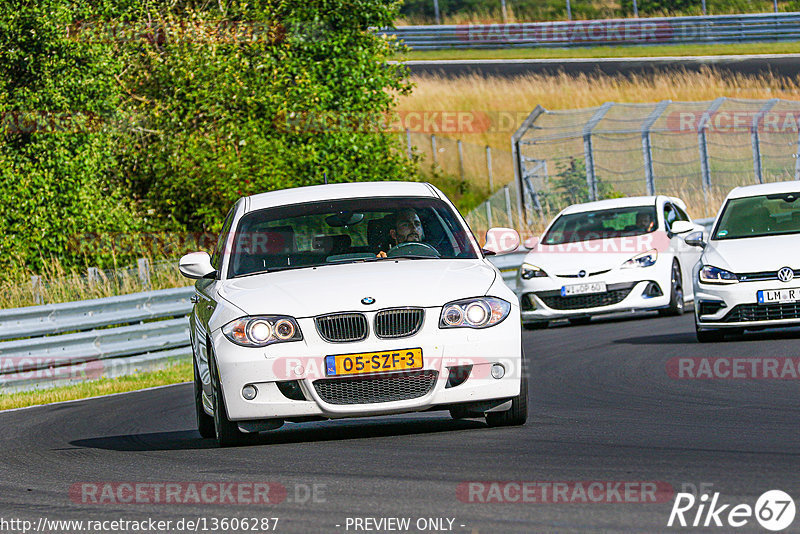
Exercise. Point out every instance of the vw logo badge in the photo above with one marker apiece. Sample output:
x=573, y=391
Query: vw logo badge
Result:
x=582, y=274
x=367, y=301
x=786, y=274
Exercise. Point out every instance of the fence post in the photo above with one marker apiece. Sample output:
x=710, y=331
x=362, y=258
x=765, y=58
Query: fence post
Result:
x=436, y=11
x=460, y=159
x=408, y=142
x=433, y=148
x=569, y=11
x=36, y=289
x=588, y=149
x=703, y=145
x=92, y=275
x=505, y=13
x=143, y=267
x=756, y=141
x=509, y=213
x=705, y=12
x=647, y=148
x=489, y=167
x=489, y=212
x=635, y=9
x=797, y=158
x=516, y=157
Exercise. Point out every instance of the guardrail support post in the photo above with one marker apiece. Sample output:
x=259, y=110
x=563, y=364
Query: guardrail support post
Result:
x=703, y=146
x=36, y=289
x=143, y=268
x=489, y=168
x=460, y=159
x=755, y=140
x=588, y=149
x=92, y=275
x=647, y=148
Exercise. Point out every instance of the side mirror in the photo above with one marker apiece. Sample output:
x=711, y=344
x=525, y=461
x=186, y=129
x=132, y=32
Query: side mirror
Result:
x=681, y=227
x=695, y=239
x=531, y=242
x=501, y=240
x=196, y=265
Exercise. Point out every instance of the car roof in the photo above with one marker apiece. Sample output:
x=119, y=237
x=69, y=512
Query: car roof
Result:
x=316, y=193
x=765, y=189
x=617, y=203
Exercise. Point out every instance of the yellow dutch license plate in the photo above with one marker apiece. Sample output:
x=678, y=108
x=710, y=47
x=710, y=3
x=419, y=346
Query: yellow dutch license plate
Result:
x=373, y=362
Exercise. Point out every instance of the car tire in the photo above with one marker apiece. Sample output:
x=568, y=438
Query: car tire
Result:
x=518, y=413
x=676, y=301
x=709, y=336
x=205, y=422
x=536, y=325
x=226, y=431
x=577, y=321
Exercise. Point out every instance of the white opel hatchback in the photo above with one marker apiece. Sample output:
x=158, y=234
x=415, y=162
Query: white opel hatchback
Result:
x=617, y=255
x=350, y=300
x=749, y=273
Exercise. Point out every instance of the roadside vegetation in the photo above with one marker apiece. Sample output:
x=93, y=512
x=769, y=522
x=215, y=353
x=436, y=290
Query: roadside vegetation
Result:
x=483, y=12
x=174, y=374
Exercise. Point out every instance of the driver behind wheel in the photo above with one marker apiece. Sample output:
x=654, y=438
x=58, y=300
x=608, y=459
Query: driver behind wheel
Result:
x=407, y=228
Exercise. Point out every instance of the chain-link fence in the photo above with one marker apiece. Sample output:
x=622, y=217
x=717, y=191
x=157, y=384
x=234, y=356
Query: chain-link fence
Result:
x=697, y=151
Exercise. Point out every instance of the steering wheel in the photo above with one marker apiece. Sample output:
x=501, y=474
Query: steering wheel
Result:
x=414, y=248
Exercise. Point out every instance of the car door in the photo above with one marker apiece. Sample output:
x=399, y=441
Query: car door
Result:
x=687, y=256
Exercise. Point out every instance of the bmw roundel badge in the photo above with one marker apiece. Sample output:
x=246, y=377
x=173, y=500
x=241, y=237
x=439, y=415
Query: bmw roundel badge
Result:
x=367, y=301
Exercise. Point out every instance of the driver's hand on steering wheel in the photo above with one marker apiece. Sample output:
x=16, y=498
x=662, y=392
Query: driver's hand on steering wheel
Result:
x=380, y=254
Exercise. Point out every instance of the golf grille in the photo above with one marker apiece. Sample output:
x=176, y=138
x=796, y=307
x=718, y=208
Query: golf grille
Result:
x=395, y=387
x=401, y=322
x=615, y=294
x=763, y=312
x=342, y=327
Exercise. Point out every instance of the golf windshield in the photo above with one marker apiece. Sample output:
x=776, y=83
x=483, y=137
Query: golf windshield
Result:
x=346, y=231
x=601, y=224
x=759, y=216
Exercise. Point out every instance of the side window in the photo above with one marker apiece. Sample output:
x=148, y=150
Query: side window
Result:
x=670, y=215
x=682, y=215
x=219, y=250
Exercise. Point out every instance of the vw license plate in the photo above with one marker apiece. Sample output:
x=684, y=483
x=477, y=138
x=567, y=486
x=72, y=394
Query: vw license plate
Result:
x=373, y=362
x=769, y=296
x=583, y=289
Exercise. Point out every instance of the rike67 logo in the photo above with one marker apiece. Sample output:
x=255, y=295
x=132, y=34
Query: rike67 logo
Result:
x=774, y=510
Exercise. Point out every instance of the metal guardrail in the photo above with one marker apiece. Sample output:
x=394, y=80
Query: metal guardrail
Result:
x=636, y=31
x=145, y=331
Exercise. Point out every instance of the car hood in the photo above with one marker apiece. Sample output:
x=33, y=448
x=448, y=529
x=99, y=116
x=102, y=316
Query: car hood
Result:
x=331, y=288
x=753, y=254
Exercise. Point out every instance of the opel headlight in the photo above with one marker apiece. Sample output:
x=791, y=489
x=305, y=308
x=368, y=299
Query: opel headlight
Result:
x=528, y=271
x=480, y=312
x=714, y=275
x=262, y=330
x=645, y=259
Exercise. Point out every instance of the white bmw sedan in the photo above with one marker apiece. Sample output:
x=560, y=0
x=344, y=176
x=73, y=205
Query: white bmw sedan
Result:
x=749, y=273
x=609, y=256
x=350, y=300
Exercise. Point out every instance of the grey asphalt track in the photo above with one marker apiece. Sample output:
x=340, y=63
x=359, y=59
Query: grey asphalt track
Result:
x=602, y=408
x=783, y=65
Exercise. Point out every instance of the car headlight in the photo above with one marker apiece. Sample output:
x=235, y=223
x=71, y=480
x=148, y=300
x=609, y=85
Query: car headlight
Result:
x=528, y=271
x=479, y=312
x=262, y=330
x=645, y=259
x=714, y=275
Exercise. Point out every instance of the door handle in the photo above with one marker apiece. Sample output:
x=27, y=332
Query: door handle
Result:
x=194, y=299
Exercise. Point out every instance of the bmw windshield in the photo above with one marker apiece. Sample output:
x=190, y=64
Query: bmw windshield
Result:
x=347, y=231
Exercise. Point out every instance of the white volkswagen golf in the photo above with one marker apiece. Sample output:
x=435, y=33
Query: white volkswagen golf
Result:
x=351, y=300
x=616, y=255
x=749, y=273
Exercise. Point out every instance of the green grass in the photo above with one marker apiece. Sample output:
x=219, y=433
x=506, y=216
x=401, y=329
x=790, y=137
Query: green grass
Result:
x=176, y=374
x=607, y=51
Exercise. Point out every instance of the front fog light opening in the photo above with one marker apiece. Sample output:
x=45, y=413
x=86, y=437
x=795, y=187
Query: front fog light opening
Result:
x=498, y=371
x=652, y=290
x=249, y=392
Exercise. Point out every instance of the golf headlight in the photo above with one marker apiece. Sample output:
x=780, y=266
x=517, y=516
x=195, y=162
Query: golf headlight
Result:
x=715, y=275
x=262, y=331
x=528, y=271
x=645, y=259
x=479, y=312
